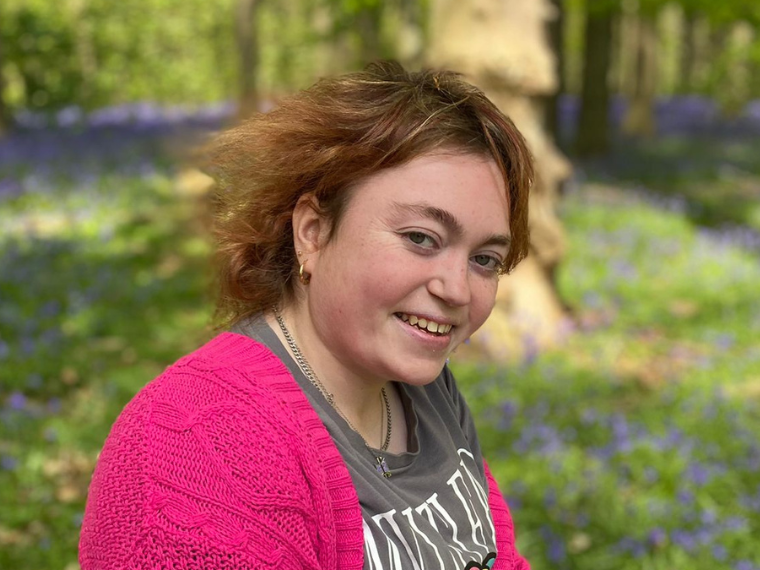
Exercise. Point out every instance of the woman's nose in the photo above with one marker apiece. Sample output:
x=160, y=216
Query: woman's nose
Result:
x=451, y=283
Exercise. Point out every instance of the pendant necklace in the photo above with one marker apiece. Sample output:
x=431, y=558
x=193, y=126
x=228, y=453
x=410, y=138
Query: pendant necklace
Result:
x=380, y=465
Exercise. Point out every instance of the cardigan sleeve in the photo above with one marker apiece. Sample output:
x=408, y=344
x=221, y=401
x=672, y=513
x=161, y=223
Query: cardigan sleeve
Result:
x=197, y=475
x=508, y=557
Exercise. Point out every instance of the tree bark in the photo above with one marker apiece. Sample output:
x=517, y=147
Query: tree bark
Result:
x=688, y=52
x=556, y=36
x=639, y=120
x=369, y=25
x=501, y=46
x=593, y=124
x=5, y=115
x=247, y=42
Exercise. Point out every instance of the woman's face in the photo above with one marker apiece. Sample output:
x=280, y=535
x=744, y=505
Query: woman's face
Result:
x=412, y=269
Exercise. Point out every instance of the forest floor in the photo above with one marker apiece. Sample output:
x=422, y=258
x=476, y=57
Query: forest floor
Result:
x=632, y=445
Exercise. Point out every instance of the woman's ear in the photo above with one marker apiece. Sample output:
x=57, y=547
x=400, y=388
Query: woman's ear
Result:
x=310, y=228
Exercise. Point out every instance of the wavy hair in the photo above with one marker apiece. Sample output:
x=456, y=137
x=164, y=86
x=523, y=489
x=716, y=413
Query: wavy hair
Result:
x=325, y=140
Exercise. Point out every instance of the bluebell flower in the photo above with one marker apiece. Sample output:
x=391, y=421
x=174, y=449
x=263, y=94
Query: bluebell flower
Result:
x=657, y=537
x=684, y=539
x=736, y=523
x=698, y=473
x=16, y=401
x=709, y=516
x=509, y=411
x=550, y=498
x=719, y=552
x=8, y=462
x=556, y=551
x=685, y=497
x=54, y=405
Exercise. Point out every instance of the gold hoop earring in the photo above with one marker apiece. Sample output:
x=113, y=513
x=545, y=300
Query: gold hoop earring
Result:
x=303, y=277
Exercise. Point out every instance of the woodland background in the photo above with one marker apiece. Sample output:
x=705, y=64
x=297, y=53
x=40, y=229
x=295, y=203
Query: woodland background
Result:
x=630, y=442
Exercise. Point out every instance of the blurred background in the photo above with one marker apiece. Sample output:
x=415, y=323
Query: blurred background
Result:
x=616, y=386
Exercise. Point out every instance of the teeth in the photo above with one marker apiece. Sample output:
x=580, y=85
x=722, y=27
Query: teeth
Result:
x=430, y=326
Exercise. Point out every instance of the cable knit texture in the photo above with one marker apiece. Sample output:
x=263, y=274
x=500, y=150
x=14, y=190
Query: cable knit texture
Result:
x=222, y=463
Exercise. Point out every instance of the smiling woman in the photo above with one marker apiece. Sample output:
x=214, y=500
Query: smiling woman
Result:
x=363, y=226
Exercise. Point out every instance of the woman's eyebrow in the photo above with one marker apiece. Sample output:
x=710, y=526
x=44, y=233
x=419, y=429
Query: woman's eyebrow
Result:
x=447, y=220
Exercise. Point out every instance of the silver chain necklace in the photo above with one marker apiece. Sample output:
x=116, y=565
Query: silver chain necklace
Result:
x=381, y=466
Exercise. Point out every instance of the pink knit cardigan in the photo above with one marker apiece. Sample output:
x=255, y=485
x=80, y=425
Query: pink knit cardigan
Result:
x=222, y=463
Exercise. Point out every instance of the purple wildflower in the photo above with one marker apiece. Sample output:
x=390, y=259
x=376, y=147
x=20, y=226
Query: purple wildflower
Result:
x=16, y=401
x=8, y=462
x=719, y=552
x=556, y=549
x=685, y=497
x=657, y=537
x=684, y=539
x=698, y=473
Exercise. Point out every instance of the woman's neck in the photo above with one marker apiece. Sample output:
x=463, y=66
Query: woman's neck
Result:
x=358, y=399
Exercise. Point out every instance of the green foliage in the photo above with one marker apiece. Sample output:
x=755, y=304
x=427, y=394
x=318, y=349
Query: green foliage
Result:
x=96, y=52
x=93, y=53
x=41, y=50
x=724, y=58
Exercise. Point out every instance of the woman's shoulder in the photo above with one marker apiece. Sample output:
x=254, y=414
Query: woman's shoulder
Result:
x=232, y=386
x=228, y=368
x=211, y=446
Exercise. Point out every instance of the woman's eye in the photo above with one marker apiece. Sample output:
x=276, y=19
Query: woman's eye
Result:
x=418, y=238
x=487, y=261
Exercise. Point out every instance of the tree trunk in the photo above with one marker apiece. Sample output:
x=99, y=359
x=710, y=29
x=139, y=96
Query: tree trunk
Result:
x=369, y=25
x=735, y=69
x=501, y=46
x=688, y=52
x=639, y=120
x=593, y=124
x=246, y=36
x=626, y=50
x=754, y=69
x=556, y=36
x=5, y=116
x=84, y=50
x=410, y=37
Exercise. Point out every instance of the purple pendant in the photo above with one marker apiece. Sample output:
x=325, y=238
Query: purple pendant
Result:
x=382, y=467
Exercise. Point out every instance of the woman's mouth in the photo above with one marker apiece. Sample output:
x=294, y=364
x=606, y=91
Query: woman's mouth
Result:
x=431, y=327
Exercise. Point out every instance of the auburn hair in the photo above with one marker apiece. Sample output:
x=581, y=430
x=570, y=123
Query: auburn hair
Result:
x=324, y=141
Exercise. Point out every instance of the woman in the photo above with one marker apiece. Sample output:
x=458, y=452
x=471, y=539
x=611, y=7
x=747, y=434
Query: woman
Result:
x=363, y=225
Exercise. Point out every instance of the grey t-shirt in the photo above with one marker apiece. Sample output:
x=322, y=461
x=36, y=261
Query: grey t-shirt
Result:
x=432, y=513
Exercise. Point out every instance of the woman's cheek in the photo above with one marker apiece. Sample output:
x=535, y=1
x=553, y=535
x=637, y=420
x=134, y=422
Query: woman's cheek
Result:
x=484, y=301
